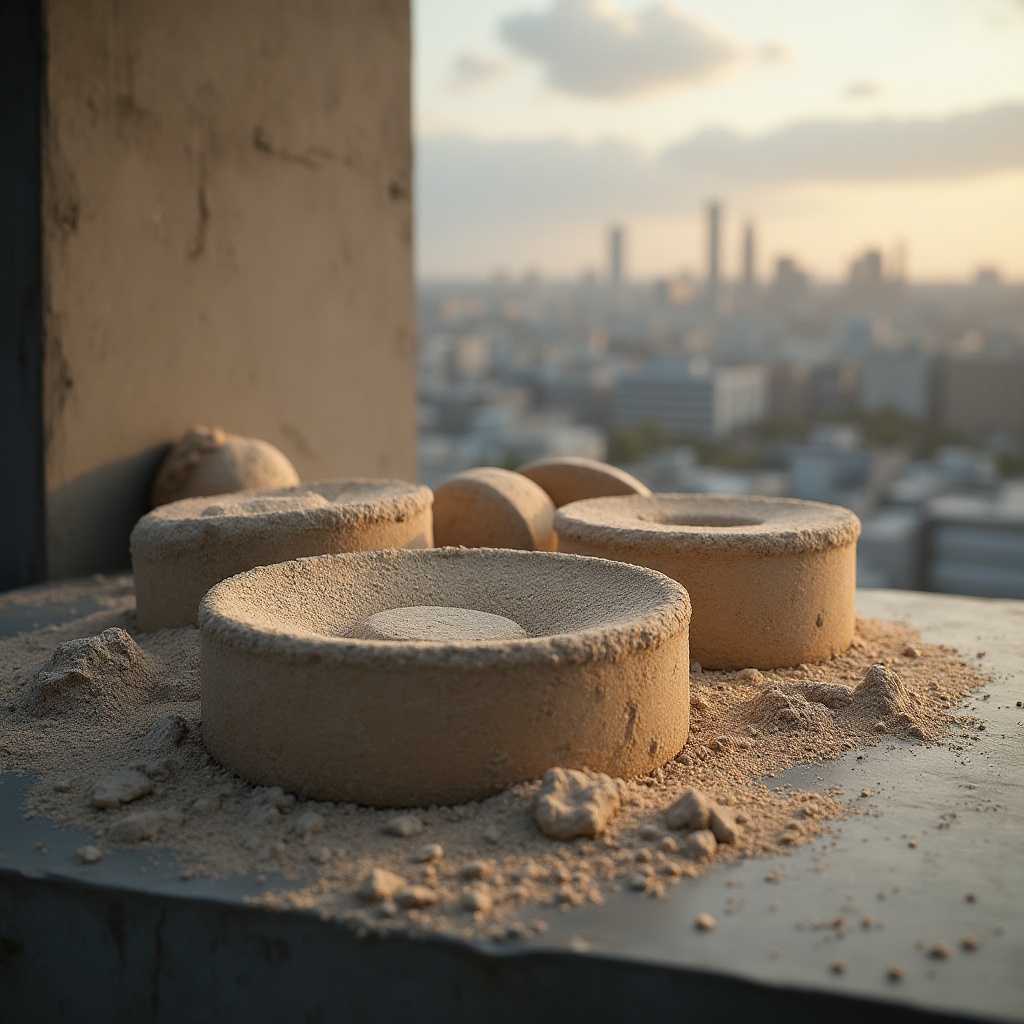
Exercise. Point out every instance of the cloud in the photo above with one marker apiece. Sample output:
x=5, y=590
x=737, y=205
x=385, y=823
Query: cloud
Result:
x=532, y=196
x=470, y=71
x=879, y=150
x=863, y=90
x=588, y=48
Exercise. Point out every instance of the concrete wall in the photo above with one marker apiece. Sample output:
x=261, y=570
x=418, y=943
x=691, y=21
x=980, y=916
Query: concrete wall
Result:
x=226, y=239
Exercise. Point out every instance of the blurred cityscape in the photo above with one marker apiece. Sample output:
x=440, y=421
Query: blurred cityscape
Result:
x=902, y=401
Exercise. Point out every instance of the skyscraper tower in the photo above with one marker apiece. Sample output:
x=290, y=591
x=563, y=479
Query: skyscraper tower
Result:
x=714, y=218
x=749, y=255
x=617, y=255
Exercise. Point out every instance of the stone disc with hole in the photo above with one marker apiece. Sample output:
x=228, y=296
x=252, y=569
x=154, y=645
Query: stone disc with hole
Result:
x=182, y=549
x=772, y=580
x=584, y=663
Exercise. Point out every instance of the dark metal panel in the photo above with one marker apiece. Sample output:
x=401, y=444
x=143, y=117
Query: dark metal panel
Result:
x=22, y=519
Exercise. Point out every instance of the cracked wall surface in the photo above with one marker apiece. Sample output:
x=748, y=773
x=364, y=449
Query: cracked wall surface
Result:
x=227, y=240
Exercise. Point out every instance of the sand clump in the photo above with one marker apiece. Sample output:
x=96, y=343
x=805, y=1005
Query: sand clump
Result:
x=92, y=676
x=139, y=775
x=572, y=803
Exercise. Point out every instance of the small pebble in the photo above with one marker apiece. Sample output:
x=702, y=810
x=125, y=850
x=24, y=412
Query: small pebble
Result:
x=940, y=951
x=430, y=852
x=89, y=854
x=970, y=942
x=705, y=923
x=476, y=869
x=838, y=966
x=404, y=825
x=895, y=972
x=415, y=896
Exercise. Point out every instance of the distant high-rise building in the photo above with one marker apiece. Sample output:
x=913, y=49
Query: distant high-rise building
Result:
x=749, y=270
x=867, y=280
x=617, y=254
x=714, y=228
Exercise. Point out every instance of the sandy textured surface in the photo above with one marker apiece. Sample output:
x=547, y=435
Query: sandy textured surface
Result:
x=129, y=724
x=182, y=549
x=296, y=694
x=772, y=580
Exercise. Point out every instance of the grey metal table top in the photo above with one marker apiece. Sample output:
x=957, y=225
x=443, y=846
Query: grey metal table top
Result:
x=933, y=856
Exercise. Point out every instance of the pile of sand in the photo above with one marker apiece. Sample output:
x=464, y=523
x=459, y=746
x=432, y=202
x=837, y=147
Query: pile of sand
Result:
x=111, y=728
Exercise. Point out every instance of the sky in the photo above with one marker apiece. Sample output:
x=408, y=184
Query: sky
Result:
x=831, y=126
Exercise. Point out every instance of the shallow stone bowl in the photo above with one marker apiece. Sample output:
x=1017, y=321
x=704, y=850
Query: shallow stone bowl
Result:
x=772, y=580
x=294, y=693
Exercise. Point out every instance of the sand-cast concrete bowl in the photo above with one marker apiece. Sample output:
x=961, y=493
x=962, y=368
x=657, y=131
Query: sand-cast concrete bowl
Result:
x=182, y=549
x=295, y=695
x=772, y=580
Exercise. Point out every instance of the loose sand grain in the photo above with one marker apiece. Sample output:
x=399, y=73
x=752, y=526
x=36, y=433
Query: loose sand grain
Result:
x=479, y=869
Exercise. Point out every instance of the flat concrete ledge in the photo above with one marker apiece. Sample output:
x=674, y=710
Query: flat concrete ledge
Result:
x=110, y=942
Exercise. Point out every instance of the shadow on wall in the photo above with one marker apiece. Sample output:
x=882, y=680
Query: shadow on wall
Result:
x=88, y=532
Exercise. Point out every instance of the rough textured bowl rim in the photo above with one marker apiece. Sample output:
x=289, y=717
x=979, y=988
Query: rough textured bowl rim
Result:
x=785, y=525
x=181, y=523
x=669, y=612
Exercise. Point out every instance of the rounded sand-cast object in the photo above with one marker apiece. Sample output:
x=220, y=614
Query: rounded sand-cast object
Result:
x=489, y=507
x=294, y=696
x=772, y=580
x=573, y=478
x=209, y=461
x=182, y=549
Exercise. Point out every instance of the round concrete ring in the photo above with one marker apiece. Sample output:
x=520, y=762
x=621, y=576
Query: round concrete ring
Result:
x=182, y=549
x=291, y=696
x=772, y=580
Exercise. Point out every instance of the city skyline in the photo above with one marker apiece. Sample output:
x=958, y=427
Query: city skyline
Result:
x=835, y=129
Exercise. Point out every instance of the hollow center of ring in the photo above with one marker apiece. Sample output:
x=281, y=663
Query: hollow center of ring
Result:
x=710, y=521
x=440, y=624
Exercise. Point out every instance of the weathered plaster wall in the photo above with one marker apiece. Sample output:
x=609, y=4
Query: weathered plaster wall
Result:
x=226, y=239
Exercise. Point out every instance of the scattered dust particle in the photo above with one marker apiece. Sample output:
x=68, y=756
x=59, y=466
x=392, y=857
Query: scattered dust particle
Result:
x=895, y=972
x=970, y=942
x=705, y=923
x=578, y=944
x=912, y=844
x=971, y=897
x=476, y=869
x=866, y=793
x=838, y=966
x=940, y=951
x=404, y=825
x=89, y=854
x=415, y=896
x=229, y=828
x=381, y=884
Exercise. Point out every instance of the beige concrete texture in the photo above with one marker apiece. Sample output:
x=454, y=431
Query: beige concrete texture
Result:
x=293, y=696
x=227, y=239
x=182, y=549
x=772, y=580
x=573, y=478
x=492, y=507
x=209, y=461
